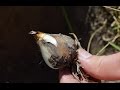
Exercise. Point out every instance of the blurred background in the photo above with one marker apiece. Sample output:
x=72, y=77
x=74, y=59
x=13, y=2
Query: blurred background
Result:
x=19, y=54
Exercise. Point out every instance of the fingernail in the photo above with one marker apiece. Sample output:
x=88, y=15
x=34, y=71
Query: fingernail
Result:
x=83, y=55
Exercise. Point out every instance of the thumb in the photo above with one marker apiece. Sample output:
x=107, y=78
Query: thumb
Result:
x=83, y=55
x=89, y=62
x=100, y=67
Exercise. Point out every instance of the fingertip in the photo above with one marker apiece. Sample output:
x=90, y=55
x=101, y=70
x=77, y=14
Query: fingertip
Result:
x=80, y=50
x=83, y=54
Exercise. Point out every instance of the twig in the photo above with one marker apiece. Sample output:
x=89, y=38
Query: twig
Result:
x=108, y=44
x=112, y=8
x=76, y=40
x=115, y=46
x=116, y=21
x=118, y=24
x=92, y=36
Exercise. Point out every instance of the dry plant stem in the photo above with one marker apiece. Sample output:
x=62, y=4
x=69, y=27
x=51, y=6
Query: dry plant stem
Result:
x=79, y=71
x=118, y=25
x=75, y=75
x=115, y=46
x=92, y=36
x=116, y=21
x=117, y=36
x=111, y=8
x=76, y=40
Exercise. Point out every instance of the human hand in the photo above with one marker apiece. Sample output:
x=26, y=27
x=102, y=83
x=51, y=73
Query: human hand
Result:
x=100, y=67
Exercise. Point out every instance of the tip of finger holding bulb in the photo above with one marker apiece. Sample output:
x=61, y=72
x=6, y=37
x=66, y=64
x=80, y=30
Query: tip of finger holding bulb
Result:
x=83, y=55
